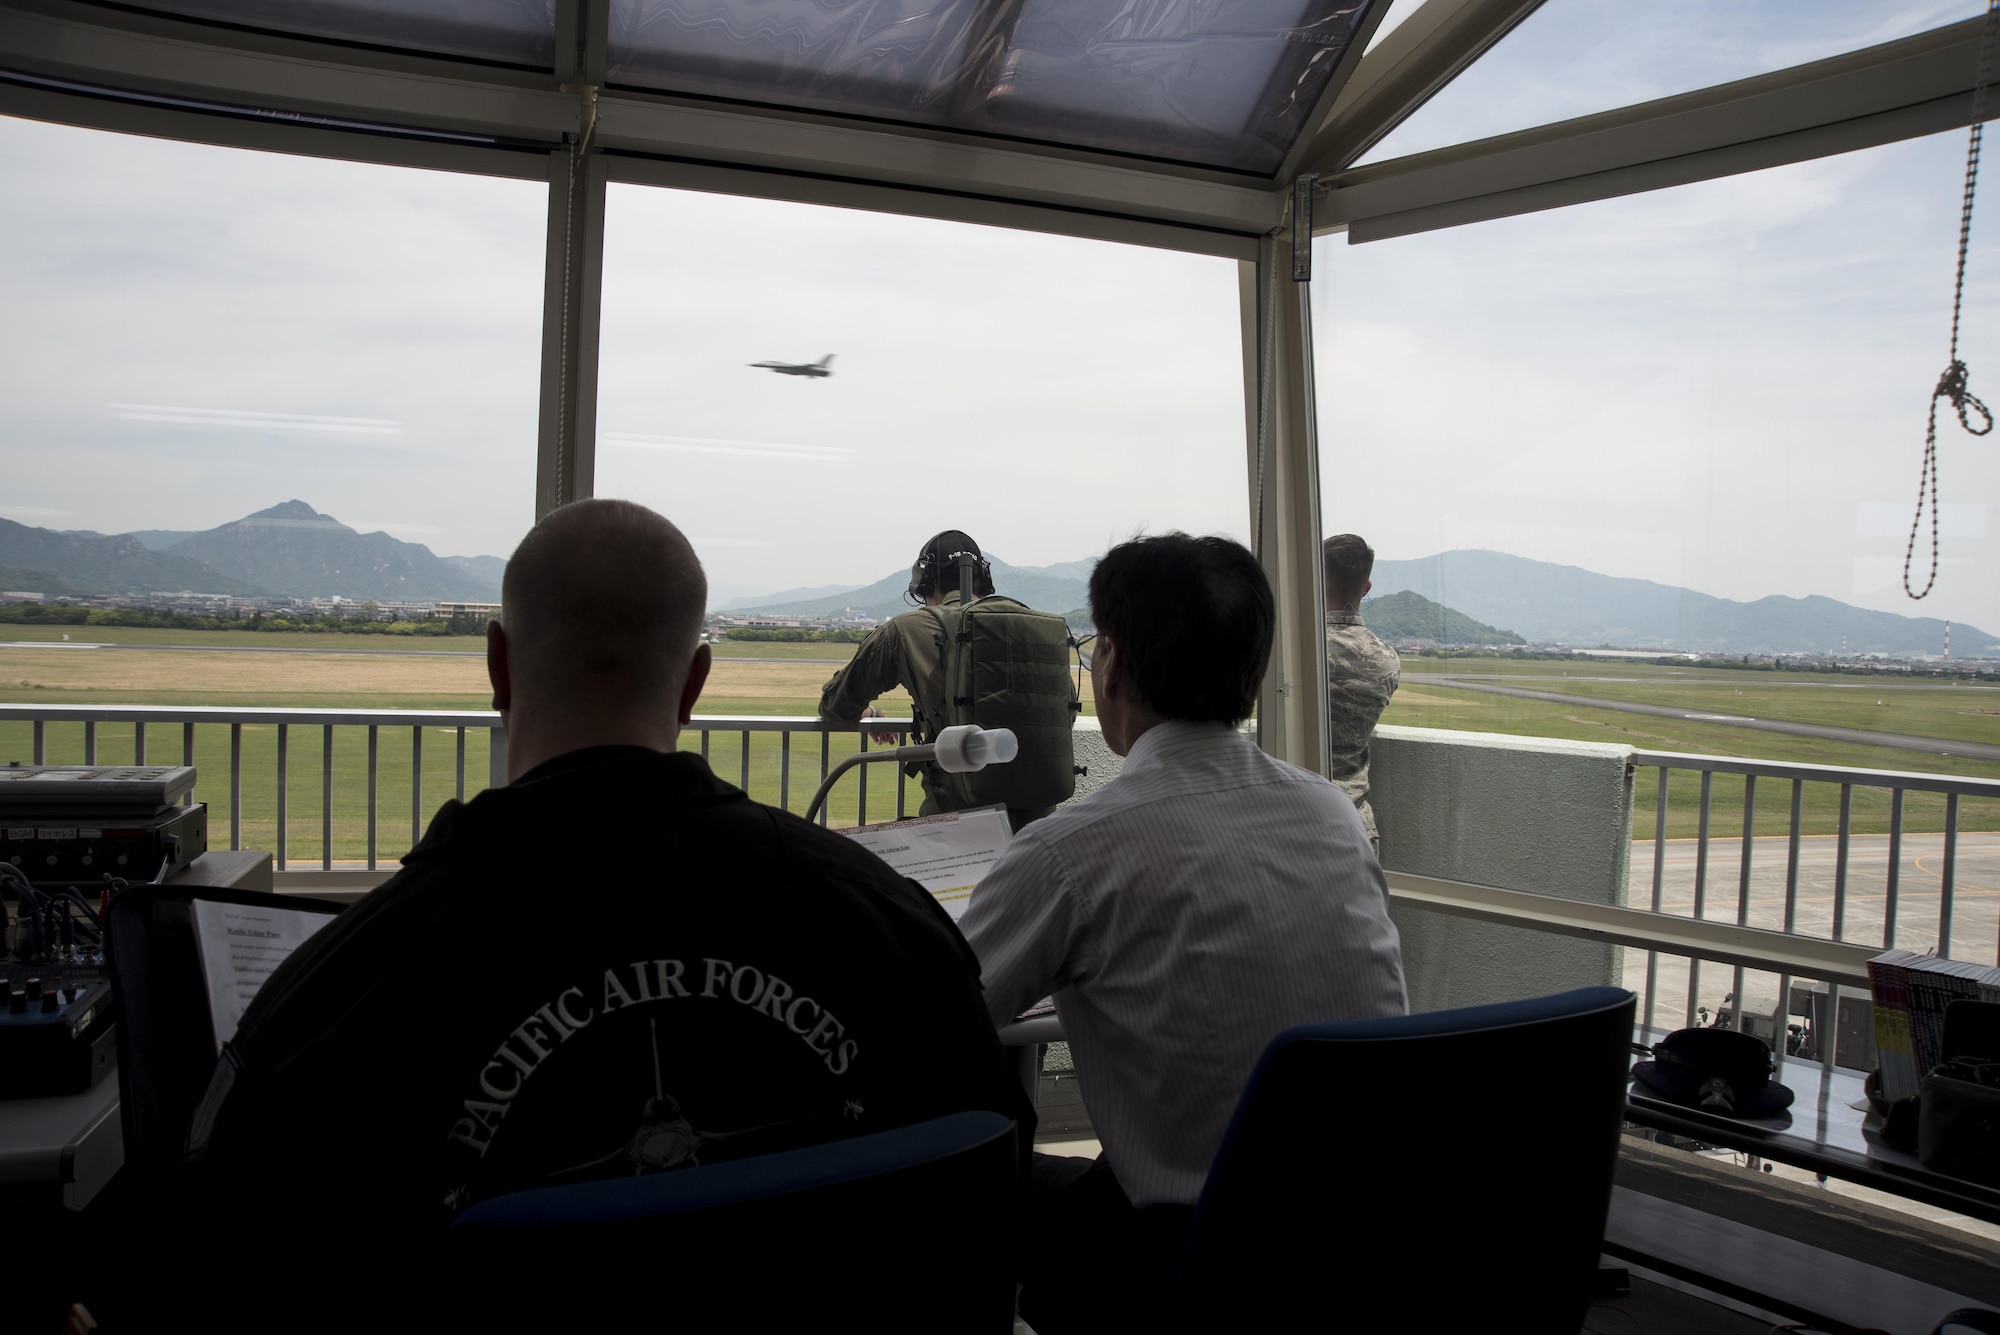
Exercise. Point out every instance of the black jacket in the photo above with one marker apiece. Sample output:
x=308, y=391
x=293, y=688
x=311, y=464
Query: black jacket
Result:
x=618, y=965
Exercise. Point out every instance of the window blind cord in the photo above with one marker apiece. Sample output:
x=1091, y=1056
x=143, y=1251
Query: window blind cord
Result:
x=1953, y=383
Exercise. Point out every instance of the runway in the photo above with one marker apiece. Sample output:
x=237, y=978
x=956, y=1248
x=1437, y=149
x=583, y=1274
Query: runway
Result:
x=323, y=650
x=1975, y=927
x=1936, y=746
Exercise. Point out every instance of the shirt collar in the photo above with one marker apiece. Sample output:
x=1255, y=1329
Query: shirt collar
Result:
x=1161, y=743
x=1344, y=619
x=686, y=774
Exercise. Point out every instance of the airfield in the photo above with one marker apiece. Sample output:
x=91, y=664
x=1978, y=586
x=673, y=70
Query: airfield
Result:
x=1862, y=722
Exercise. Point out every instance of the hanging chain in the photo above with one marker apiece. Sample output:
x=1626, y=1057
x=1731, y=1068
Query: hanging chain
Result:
x=1953, y=383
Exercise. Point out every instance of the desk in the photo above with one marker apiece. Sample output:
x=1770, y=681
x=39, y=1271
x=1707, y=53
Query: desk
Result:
x=1824, y=1134
x=76, y=1141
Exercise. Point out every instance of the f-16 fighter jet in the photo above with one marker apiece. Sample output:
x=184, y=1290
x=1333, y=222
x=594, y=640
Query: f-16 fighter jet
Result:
x=818, y=370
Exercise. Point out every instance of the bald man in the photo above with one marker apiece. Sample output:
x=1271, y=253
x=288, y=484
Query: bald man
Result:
x=617, y=964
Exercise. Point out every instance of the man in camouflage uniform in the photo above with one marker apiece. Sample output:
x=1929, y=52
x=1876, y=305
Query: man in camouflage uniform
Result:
x=1361, y=672
x=905, y=651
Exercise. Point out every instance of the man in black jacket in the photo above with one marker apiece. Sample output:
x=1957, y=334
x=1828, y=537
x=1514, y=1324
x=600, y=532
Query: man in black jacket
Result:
x=617, y=964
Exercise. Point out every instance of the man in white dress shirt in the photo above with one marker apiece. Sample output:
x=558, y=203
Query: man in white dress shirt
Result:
x=1182, y=916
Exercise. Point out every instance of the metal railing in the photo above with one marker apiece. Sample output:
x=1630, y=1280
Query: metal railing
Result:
x=764, y=759
x=1887, y=923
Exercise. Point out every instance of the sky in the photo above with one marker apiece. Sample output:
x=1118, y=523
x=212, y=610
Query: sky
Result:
x=1721, y=385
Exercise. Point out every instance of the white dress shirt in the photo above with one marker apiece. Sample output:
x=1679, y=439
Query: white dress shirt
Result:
x=1182, y=916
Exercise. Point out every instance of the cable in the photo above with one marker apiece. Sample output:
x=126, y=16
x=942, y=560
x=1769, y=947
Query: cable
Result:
x=1953, y=383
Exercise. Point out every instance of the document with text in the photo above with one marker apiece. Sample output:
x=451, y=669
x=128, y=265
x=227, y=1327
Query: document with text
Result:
x=946, y=854
x=241, y=946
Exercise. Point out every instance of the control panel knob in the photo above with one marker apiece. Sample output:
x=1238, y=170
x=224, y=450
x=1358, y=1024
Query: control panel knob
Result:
x=49, y=1003
x=34, y=989
x=17, y=1003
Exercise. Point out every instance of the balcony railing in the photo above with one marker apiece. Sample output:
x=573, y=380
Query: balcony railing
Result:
x=1867, y=905
x=357, y=767
x=371, y=763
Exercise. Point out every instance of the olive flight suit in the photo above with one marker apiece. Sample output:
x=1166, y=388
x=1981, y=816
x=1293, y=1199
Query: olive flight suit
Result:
x=902, y=651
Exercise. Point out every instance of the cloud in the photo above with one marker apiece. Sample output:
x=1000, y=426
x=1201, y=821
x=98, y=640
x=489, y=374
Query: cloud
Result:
x=252, y=420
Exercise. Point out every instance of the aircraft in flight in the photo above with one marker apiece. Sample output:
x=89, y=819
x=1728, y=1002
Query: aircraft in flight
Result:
x=818, y=370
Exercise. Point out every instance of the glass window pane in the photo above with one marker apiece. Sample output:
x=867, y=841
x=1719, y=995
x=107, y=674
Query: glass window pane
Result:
x=1576, y=57
x=1047, y=395
x=1643, y=471
x=517, y=32
x=1226, y=86
x=197, y=335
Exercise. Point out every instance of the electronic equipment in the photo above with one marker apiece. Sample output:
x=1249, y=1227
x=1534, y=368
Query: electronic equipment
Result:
x=81, y=849
x=65, y=831
x=56, y=1026
x=124, y=790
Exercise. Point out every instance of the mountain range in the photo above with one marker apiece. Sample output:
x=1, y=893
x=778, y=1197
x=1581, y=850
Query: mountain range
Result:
x=1062, y=587
x=1569, y=605
x=294, y=551
x=288, y=551
x=1472, y=594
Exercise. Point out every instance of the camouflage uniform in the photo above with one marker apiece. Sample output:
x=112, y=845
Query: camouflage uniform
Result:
x=1361, y=675
x=903, y=651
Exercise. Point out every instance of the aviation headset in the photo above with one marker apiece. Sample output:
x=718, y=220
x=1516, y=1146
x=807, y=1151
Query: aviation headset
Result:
x=944, y=550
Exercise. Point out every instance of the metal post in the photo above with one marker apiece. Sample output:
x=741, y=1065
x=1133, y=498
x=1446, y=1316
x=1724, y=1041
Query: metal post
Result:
x=574, y=270
x=416, y=785
x=861, y=810
x=1659, y=879
x=90, y=742
x=785, y=770
x=1840, y=862
x=284, y=778
x=825, y=762
x=1700, y=886
x=1894, y=883
x=139, y=742
x=1948, y=880
x=496, y=758
x=1285, y=502
x=374, y=757
x=235, y=786
x=745, y=769
x=41, y=742
x=459, y=792
x=1743, y=882
x=187, y=742
x=326, y=799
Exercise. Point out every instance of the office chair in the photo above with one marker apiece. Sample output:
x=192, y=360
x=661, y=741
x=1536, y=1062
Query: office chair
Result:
x=1380, y=1170
x=906, y=1230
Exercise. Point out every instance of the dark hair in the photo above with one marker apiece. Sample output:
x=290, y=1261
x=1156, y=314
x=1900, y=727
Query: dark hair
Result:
x=1349, y=563
x=936, y=572
x=1192, y=620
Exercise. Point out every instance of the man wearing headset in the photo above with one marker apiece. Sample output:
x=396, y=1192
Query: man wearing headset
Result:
x=910, y=651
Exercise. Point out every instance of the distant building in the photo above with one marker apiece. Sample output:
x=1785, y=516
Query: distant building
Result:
x=491, y=611
x=16, y=596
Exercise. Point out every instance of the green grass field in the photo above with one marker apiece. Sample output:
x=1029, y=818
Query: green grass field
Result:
x=769, y=680
x=1919, y=709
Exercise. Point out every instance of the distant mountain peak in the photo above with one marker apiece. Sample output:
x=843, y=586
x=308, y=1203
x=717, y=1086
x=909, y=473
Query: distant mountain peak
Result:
x=293, y=514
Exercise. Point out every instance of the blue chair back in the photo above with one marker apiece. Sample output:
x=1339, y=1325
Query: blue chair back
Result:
x=1378, y=1169
x=902, y=1230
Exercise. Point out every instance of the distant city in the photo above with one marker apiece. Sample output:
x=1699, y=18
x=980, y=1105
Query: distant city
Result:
x=293, y=560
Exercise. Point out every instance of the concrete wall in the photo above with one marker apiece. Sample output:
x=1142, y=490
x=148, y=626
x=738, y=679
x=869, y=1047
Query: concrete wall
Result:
x=1521, y=813
x=1100, y=766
